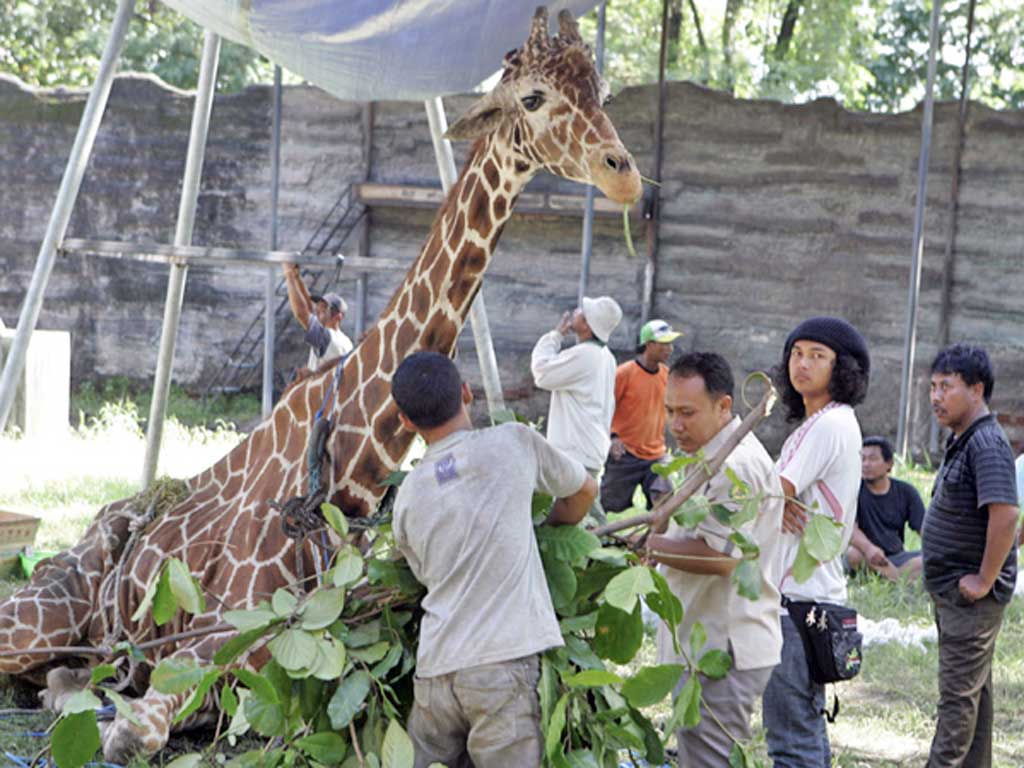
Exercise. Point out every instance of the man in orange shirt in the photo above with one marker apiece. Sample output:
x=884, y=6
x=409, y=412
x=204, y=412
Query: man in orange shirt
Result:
x=638, y=426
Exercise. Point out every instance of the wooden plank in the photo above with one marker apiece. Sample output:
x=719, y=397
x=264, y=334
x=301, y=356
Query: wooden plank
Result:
x=529, y=203
x=194, y=254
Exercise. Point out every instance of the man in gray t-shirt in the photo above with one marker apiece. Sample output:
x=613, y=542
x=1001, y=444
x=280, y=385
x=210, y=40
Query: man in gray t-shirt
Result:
x=462, y=519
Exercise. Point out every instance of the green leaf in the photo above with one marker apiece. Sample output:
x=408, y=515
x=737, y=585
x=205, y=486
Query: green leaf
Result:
x=567, y=542
x=371, y=654
x=651, y=684
x=698, y=638
x=561, y=581
x=102, y=672
x=395, y=478
x=81, y=701
x=293, y=649
x=348, y=567
x=747, y=579
x=747, y=512
x=618, y=635
x=147, y=599
x=347, y=700
x=268, y=718
x=191, y=760
x=663, y=602
x=610, y=555
x=335, y=518
x=195, y=700
x=164, y=604
x=738, y=756
x=581, y=758
x=284, y=603
x=739, y=487
x=592, y=678
x=746, y=546
x=123, y=707
x=547, y=687
x=555, y=726
x=686, y=711
x=677, y=463
x=722, y=513
x=176, y=675
x=583, y=623
x=260, y=686
x=322, y=608
x=75, y=740
x=330, y=659
x=580, y=652
x=388, y=663
x=624, y=590
x=363, y=635
x=715, y=664
x=244, y=621
x=185, y=588
x=823, y=538
x=236, y=646
x=391, y=573
x=397, y=749
x=228, y=700
x=692, y=512
x=324, y=747
x=804, y=564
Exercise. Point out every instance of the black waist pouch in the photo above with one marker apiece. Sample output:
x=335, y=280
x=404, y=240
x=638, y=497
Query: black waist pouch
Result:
x=832, y=643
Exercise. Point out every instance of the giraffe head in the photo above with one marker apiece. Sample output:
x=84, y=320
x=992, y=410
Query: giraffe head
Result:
x=548, y=109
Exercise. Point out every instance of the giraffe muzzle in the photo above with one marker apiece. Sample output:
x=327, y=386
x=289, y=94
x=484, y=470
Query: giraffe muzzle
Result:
x=614, y=172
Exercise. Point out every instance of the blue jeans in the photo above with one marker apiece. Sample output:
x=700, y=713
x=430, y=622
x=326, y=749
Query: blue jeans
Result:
x=792, y=709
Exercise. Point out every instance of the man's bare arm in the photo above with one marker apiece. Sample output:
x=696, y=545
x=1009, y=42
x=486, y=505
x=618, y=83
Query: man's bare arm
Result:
x=691, y=555
x=298, y=294
x=999, y=538
x=872, y=552
x=571, y=509
x=794, y=517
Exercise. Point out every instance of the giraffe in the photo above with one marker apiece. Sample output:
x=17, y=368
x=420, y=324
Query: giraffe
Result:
x=545, y=113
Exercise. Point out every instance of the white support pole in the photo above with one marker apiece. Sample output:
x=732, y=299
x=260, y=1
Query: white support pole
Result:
x=62, y=208
x=182, y=236
x=477, y=312
x=917, y=254
x=587, y=247
x=273, y=275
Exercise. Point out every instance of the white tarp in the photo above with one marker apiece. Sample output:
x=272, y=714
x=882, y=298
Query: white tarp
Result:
x=367, y=50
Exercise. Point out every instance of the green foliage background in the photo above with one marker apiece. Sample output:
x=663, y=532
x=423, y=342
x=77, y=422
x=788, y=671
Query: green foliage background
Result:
x=868, y=54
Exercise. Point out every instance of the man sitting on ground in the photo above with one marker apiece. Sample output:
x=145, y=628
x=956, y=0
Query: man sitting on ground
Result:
x=462, y=519
x=885, y=507
x=638, y=426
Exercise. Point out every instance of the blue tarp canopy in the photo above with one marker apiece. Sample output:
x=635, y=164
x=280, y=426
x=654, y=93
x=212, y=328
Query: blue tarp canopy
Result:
x=367, y=50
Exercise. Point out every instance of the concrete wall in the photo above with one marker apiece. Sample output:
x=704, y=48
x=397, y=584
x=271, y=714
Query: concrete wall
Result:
x=770, y=213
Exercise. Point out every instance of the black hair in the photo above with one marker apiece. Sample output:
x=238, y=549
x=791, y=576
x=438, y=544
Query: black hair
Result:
x=971, y=363
x=849, y=384
x=427, y=388
x=882, y=444
x=711, y=367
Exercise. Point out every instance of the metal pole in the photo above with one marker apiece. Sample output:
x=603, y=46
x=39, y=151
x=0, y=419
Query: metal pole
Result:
x=182, y=236
x=946, y=304
x=652, y=203
x=88, y=126
x=362, y=282
x=477, y=312
x=273, y=275
x=588, y=211
x=914, y=290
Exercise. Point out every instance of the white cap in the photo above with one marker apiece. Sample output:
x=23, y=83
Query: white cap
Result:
x=602, y=315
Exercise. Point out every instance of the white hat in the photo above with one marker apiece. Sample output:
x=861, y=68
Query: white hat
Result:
x=602, y=315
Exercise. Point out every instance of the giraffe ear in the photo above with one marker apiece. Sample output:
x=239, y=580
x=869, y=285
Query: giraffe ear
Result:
x=481, y=119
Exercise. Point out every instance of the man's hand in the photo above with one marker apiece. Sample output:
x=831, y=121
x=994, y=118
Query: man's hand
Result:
x=973, y=587
x=876, y=557
x=794, y=518
x=618, y=449
x=565, y=323
x=290, y=270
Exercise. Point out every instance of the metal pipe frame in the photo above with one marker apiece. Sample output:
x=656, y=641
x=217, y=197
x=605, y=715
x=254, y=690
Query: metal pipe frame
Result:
x=587, y=248
x=70, y=183
x=477, y=311
x=182, y=236
x=269, y=309
x=917, y=254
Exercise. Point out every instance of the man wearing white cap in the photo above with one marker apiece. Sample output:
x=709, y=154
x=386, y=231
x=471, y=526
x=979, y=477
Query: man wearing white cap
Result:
x=581, y=380
x=638, y=427
x=321, y=316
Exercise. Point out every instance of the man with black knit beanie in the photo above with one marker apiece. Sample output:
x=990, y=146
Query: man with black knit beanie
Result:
x=822, y=375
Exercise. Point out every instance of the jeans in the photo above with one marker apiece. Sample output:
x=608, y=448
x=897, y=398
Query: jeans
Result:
x=793, y=709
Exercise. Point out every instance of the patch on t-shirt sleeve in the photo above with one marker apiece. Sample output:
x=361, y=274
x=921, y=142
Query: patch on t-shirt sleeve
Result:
x=444, y=469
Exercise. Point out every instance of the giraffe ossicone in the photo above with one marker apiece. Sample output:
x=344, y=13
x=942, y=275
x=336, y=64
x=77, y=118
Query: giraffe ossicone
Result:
x=545, y=114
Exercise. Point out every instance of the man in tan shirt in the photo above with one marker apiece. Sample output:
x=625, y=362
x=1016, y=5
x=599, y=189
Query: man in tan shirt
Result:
x=697, y=563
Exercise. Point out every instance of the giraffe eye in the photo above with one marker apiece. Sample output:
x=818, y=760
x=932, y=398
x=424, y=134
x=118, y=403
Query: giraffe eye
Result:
x=607, y=100
x=532, y=102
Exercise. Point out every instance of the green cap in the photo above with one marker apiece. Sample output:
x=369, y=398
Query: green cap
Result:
x=659, y=331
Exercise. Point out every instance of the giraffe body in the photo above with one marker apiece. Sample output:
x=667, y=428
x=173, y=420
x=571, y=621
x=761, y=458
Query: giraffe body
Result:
x=545, y=113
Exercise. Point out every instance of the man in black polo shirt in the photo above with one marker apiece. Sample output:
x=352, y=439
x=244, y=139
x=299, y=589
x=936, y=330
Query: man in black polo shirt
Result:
x=970, y=558
x=885, y=507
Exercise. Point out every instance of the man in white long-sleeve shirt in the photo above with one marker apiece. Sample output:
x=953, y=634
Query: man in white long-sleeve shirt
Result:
x=581, y=380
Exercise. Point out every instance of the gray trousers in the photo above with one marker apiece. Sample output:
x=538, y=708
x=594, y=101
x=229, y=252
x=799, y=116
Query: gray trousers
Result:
x=967, y=642
x=486, y=716
x=731, y=699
